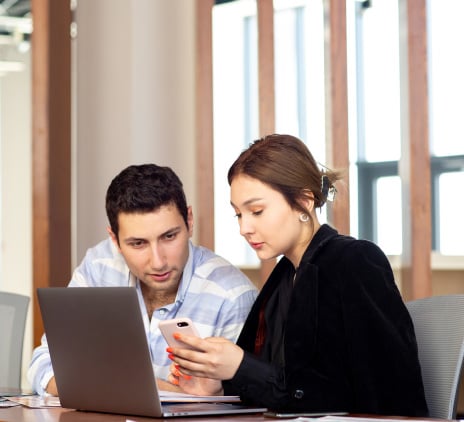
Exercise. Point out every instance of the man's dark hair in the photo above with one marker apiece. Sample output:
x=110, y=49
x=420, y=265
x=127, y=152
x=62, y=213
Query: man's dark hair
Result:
x=141, y=189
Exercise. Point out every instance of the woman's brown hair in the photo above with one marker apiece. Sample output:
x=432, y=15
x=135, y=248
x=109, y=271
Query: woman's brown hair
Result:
x=285, y=163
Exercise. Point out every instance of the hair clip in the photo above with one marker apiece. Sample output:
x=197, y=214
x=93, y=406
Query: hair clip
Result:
x=328, y=190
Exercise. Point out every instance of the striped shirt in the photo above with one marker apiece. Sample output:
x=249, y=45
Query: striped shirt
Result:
x=213, y=293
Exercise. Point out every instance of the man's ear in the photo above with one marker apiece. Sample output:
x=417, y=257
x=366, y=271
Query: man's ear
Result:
x=190, y=220
x=114, y=238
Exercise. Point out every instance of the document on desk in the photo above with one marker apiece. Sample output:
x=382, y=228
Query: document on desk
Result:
x=175, y=397
x=4, y=402
x=351, y=419
x=36, y=402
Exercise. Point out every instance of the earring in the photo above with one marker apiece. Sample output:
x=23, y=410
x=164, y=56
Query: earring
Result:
x=304, y=218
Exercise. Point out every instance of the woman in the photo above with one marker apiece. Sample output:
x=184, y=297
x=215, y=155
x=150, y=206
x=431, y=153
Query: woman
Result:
x=329, y=330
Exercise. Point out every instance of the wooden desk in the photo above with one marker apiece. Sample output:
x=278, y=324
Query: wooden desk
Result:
x=23, y=414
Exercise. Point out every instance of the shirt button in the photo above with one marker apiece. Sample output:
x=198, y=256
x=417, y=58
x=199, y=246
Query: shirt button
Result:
x=298, y=394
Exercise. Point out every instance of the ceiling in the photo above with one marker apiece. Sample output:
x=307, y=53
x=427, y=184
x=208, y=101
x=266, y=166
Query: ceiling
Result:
x=15, y=19
x=15, y=31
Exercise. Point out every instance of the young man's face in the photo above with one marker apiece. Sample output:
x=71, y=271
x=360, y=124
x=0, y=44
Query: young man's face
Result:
x=155, y=246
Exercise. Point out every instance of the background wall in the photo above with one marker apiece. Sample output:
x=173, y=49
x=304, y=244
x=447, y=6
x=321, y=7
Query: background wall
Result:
x=134, y=90
x=16, y=191
x=133, y=102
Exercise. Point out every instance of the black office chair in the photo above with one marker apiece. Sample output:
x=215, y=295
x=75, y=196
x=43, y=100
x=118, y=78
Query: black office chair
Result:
x=439, y=326
x=13, y=312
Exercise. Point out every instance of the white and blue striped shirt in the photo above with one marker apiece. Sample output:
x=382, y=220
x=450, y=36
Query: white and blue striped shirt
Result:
x=213, y=293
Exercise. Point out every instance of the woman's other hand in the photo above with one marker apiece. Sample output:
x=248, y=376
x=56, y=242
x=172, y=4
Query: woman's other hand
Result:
x=213, y=357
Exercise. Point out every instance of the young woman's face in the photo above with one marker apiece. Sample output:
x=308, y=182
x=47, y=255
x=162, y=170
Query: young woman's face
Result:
x=267, y=221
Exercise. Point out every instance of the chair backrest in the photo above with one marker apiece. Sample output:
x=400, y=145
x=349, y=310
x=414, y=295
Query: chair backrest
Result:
x=439, y=326
x=13, y=312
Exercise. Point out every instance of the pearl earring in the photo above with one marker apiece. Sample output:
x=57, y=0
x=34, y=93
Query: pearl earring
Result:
x=304, y=218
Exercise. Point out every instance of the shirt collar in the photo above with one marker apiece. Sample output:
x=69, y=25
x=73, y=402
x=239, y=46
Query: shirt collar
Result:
x=187, y=276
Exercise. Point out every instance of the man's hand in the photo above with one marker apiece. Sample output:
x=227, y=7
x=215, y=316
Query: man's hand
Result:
x=195, y=385
x=167, y=386
x=51, y=387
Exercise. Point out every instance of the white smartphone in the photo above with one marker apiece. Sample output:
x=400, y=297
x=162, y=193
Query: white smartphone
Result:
x=178, y=325
x=301, y=414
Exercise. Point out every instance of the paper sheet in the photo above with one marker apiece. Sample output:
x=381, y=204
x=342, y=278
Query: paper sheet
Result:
x=175, y=397
x=36, y=401
x=353, y=419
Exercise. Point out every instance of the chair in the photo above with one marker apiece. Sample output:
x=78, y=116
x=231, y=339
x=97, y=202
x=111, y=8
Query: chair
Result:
x=13, y=311
x=439, y=327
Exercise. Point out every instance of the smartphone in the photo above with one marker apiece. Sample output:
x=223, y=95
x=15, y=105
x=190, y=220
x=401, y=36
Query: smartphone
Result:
x=302, y=414
x=178, y=325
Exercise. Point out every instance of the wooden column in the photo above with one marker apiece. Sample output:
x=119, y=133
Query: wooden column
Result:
x=416, y=276
x=204, y=119
x=337, y=109
x=51, y=137
x=266, y=77
x=266, y=88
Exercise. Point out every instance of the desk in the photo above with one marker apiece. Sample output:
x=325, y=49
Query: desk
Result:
x=57, y=414
x=23, y=414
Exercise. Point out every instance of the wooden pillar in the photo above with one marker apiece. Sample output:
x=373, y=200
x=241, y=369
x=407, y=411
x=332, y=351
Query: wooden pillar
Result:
x=337, y=109
x=266, y=77
x=204, y=119
x=51, y=137
x=266, y=88
x=416, y=276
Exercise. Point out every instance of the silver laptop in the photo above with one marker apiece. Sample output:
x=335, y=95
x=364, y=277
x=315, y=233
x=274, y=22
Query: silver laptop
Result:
x=100, y=355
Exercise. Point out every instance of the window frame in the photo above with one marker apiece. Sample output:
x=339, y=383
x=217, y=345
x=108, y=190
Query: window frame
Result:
x=370, y=172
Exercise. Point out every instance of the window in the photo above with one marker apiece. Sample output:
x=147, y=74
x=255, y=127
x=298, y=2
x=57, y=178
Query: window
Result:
x=375, y=52
x=299, y=88
x=446, y=67
x=235, y=114
x=378, y=122
x=374, y=103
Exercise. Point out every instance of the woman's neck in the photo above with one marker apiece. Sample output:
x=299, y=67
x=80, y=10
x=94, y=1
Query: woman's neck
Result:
x=299, y=249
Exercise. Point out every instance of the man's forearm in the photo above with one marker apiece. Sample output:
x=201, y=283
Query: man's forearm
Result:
x=167, y=386
x=51, y=387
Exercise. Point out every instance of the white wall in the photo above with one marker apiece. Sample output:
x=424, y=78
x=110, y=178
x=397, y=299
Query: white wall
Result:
x=133, y=96
x=134, y=86
x=16, y=186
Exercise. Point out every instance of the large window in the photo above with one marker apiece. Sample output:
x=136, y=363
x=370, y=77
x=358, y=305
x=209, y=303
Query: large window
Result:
x=235, y=114
x=299, y=92
x=375, y=52
x=374, y=110
x=378, y=121
x=446, y=67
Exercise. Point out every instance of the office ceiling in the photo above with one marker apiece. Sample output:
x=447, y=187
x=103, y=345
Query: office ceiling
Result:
x=15, y=21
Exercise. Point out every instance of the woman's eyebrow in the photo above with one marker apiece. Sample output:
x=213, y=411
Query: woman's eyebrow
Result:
x=248, y=201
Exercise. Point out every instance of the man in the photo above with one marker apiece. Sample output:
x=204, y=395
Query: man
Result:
x=149, y=248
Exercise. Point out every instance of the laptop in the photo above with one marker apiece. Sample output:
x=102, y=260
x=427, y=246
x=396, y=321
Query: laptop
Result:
x=100, y=355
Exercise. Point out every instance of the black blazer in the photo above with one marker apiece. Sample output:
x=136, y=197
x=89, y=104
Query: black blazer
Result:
x=349, y=341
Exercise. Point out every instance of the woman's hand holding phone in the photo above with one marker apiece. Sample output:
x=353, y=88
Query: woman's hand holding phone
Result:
x=178, y=325
x=215, y=358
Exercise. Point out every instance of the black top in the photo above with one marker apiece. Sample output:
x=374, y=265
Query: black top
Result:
x=339, y=339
